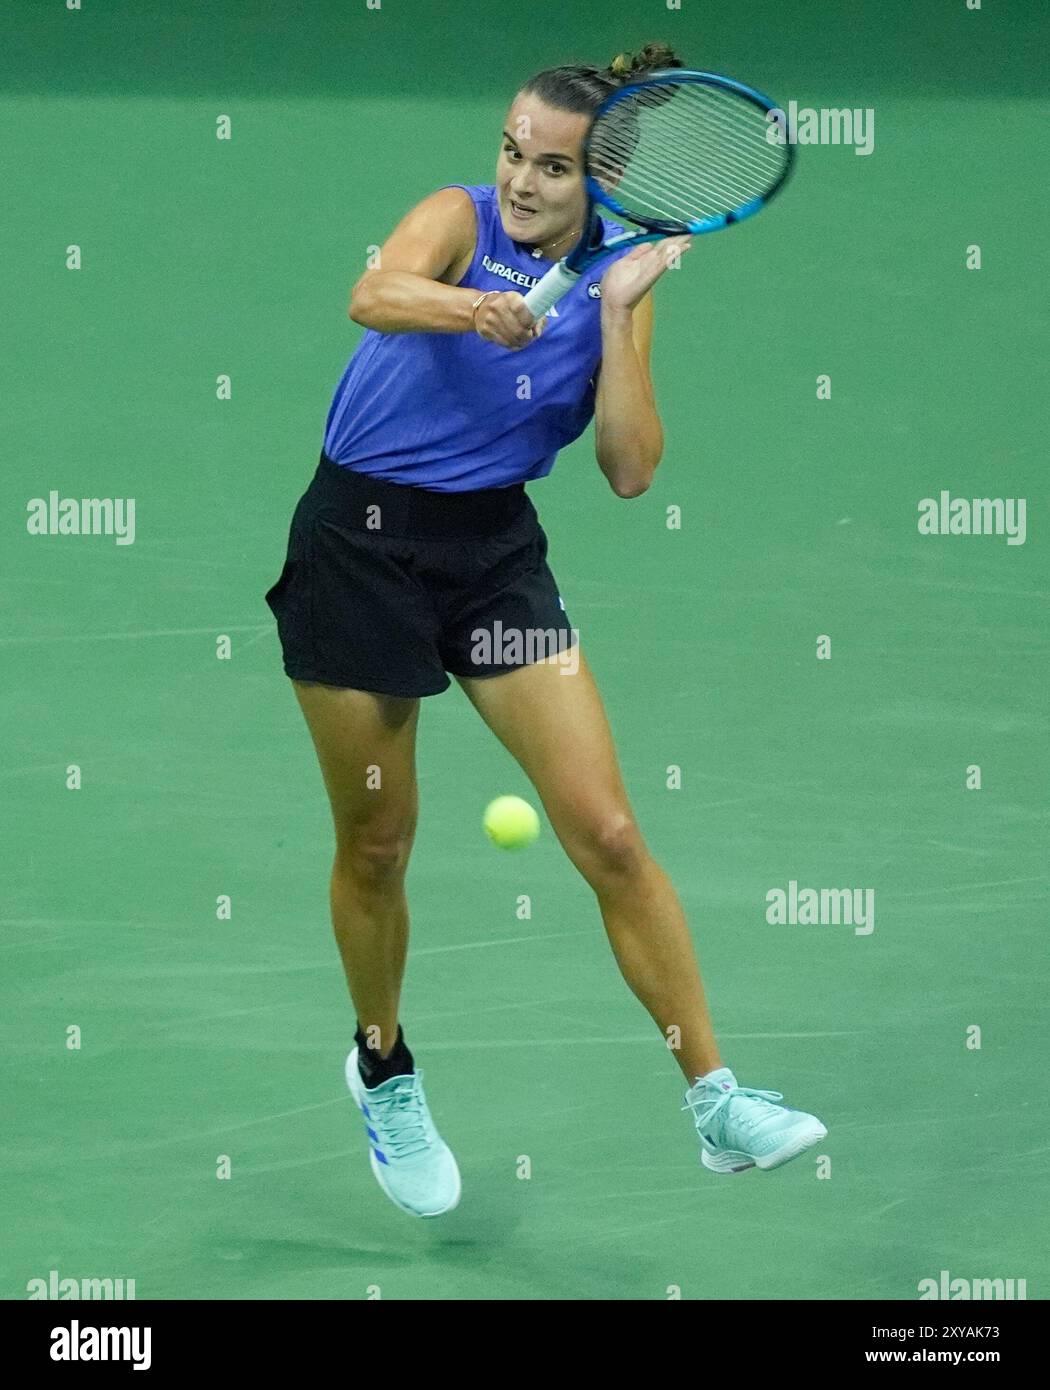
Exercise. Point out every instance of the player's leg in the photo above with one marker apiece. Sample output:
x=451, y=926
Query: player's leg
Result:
x=353, y=619
x=554, y=724
x=356, y=735
x=354, y=732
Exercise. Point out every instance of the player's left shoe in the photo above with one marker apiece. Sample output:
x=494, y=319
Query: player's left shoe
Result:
x=740, y=1128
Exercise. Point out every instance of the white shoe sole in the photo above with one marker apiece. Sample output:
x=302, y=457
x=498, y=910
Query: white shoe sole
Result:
x=358, y=1091
x=733, y=1161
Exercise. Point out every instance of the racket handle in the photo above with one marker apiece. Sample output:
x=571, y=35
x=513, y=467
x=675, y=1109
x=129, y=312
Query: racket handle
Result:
x=557, y=283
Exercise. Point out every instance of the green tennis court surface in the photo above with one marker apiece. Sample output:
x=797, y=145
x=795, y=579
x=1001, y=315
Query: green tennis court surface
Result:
x=206, y=1039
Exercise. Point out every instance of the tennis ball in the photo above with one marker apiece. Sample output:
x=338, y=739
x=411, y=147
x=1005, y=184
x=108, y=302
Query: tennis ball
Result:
x=510, y=822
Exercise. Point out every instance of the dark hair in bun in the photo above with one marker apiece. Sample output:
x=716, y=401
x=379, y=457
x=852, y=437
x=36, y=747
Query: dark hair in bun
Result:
x=654, y=57
x=582, y=88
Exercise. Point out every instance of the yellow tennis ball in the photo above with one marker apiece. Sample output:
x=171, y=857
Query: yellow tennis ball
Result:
x=510, y=822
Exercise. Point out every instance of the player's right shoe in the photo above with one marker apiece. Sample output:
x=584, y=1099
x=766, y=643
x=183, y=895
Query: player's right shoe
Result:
x=411, y=1162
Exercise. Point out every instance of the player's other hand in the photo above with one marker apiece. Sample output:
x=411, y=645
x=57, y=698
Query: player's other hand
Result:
x=504, y=319
x=633, y=275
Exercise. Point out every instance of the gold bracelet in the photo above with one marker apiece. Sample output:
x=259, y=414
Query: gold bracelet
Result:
x=477, y=305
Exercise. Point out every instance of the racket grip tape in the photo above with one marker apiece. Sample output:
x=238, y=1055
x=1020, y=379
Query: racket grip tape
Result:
x=558, y=281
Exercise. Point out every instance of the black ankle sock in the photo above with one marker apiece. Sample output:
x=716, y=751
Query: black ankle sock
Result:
x=373, y=1068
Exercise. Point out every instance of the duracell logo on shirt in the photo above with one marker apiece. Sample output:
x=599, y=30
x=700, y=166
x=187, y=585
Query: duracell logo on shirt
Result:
x=507, y=272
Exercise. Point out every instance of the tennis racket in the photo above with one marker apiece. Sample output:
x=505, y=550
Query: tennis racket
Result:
x=678, y=152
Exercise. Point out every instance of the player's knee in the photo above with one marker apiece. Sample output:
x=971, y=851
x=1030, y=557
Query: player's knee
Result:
x=614, y=845
x=375, y=857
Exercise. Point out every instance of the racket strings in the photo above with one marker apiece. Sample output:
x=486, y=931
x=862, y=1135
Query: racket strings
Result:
x=623, y=130
x=718, y=189
x=689, y=167
x=700, y=112
x=684, y=152
x=693, y=181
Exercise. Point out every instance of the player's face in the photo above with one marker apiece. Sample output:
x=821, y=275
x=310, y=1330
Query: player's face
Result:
x=539, y=176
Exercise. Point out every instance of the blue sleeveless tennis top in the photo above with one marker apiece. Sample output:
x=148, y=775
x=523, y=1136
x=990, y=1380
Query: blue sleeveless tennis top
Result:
x=453, y=413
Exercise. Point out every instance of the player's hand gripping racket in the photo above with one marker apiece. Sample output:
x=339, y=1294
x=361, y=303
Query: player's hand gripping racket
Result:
x=678, y=152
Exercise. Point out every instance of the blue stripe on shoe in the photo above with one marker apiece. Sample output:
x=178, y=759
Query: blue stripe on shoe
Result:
x=381, y=1156
x=372, y=1134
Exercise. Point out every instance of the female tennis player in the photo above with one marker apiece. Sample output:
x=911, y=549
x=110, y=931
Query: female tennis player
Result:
x=416, y=536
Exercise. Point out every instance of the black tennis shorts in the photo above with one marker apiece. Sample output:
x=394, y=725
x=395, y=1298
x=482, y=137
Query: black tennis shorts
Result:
x=388, y=587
